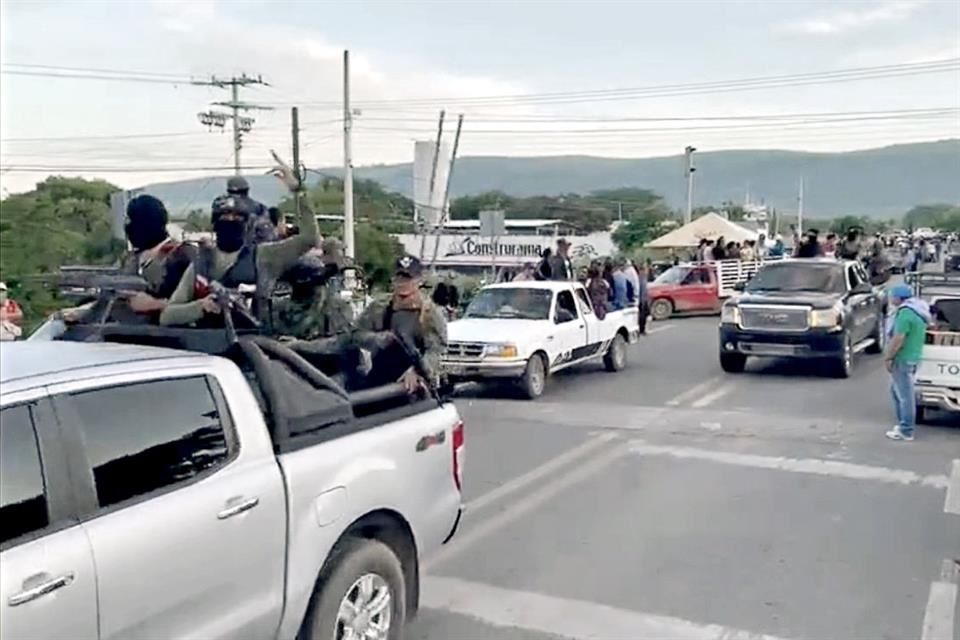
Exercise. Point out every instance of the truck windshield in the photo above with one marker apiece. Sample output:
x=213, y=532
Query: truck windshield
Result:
x=515, y=302
x=797, y=276
x=673, y=275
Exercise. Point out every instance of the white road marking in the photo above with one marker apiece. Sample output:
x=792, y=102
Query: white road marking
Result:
x=551, y=466
x=813, y=466
x=564, y=617
x=938, y=617
x=952, y=503
x=694, y=391
x=477, y=531
x=658, y=329
x=714, y=395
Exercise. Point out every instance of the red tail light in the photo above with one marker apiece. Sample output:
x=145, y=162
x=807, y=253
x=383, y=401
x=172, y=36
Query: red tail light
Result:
x=458, y=455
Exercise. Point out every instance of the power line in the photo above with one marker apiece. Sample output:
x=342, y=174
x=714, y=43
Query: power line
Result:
x=27, y=168
x=92, y=76
x=125, y=72
x=844, y=75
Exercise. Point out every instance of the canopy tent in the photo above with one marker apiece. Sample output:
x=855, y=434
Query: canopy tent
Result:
x=710, y=226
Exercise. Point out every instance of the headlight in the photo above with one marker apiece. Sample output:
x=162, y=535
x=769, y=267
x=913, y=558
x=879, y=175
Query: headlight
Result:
x=826, y=318
x=501, y=350
x=730, y=314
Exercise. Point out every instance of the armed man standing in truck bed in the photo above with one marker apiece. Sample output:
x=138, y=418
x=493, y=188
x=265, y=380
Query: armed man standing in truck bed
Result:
x=234, y=260
x=315, y=307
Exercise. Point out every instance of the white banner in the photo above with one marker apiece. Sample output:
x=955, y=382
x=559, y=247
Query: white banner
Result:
x=427, y=205
x=510, y=250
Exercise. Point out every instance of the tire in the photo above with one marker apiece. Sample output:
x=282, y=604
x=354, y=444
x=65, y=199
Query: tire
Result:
x=615, y=359
x=661, y=309
x=733, y=362
x=534, y=378
x=842, y=365
x=879, y=336
x=355, y=563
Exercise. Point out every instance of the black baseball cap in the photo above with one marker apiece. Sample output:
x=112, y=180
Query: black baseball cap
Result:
x=408, y=266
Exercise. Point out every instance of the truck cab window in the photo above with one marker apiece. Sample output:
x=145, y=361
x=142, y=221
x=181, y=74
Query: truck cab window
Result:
x=134, y=451
x=23, y=503
x=566, y=307
x=854, y=277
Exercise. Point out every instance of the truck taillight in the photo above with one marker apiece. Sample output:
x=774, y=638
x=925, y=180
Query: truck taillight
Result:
x=458, y=455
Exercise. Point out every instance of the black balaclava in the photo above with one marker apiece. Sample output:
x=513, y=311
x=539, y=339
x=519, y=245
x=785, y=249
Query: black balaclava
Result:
x=230, y=234
x=146, y=222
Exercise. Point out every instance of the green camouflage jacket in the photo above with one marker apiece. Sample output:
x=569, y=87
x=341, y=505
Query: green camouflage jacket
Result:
x=325, y=315
x=433, y=332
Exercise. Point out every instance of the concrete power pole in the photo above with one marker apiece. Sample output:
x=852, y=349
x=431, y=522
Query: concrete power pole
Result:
x=295, y=139
x=348, y=244
x=241, y=124
x=688, y=215
x=800, y=209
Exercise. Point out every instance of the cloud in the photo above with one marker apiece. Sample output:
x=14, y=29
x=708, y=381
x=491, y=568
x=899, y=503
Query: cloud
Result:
x=838, y=22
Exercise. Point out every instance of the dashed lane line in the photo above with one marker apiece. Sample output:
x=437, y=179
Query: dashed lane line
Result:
x=694, y=391
x=952, y=502
x=476, y=532
x=564, y=617
x=551, y=466
x=939, y=615
x=714, y=395
x=812, y=466
x=659, y=328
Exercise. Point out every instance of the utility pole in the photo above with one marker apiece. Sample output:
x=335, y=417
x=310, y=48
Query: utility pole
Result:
x=446, y=193
x=433, y=184
x=619, y=212
x=348, y=245
x=800, y=209
x=295, y=135
x=688, y=153
x=241, y=124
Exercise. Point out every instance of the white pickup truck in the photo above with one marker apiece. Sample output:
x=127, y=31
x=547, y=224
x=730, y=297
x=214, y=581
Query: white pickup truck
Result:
x=938, y=374
x=160, y=493
x=524, y=331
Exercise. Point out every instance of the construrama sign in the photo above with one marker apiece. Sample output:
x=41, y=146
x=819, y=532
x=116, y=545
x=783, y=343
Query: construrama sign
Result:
x=475, y=247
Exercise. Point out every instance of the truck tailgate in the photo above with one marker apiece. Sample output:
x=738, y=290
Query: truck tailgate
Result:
x=940, y=366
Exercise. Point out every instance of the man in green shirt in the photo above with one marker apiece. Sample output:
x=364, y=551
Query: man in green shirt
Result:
x=908, y=333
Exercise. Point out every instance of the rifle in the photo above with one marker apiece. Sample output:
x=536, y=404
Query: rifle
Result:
x=231, y=302
x=105, y=285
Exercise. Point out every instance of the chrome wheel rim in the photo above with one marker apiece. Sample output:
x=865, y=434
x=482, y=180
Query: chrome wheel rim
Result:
x=619, y=353
x=847, y=355
x=365, y=611
x=882, y=333
x=536, y=375
x=660, y=310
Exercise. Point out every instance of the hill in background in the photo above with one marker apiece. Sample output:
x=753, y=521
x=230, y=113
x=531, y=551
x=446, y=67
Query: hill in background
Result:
x=880, y=183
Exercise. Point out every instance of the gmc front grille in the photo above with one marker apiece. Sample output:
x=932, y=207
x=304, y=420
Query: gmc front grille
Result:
x=774, y=318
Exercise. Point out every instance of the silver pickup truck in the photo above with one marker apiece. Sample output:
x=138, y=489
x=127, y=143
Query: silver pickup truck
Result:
x=158, y=493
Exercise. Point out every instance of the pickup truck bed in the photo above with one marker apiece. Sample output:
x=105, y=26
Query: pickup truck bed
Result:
x=287, y=494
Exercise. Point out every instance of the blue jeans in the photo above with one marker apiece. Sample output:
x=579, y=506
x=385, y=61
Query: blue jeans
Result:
x=904, y=399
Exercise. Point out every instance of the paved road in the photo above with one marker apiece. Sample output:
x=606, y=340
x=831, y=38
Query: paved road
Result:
x=672, y=500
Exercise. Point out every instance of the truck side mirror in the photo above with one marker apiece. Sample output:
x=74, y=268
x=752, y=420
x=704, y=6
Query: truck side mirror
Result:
x=740, y=286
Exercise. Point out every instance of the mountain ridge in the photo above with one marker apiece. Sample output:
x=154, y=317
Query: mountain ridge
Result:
x=882, y=182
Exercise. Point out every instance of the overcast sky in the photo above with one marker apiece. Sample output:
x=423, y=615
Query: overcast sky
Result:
x=410, y=59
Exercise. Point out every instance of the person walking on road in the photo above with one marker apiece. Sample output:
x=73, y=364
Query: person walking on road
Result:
x=907, y=332
x=643, y=298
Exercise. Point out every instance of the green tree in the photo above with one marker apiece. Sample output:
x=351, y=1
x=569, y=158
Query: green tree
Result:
x=197, y=220
x=376, y=253
x=63, y=220
x=936, y=216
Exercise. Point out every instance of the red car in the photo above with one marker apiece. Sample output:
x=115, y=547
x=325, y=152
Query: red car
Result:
x=685, y=288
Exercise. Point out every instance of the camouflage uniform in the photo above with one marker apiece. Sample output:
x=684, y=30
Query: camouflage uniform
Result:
x=430, y=336
x=323, y=315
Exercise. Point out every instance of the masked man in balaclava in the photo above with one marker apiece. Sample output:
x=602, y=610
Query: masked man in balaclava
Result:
x=156, y=256
x=234, y=260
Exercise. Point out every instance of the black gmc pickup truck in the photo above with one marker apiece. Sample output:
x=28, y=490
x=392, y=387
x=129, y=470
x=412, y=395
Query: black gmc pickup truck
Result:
x=805, y=308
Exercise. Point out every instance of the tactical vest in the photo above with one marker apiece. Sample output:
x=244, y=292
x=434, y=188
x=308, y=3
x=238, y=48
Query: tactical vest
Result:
x=242, y=271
